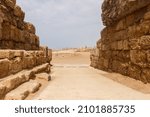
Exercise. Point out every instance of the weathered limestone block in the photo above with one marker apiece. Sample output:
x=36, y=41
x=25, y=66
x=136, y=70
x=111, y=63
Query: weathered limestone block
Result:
x=134, y=43
x=114, y=55
x=121, y=67
x=145, y=42
x=37, y=42
x=145, y=75
x=119, y=35
x=12, y=82
x=138, y=30
x=29, y=62
x=135, y=72
x=27, y=46
x=106, y=63
x=16, y=65
x=102, y=63
x=114, y=65
x=143, y=28
x=28, y=74
x=130, y=19
x=121, y=25
x=6, y=44
x=30, y=27
x=138, y=57
x=45, y=50
x=39, y=53
x=17, y=35
x=18, y=12
x=114, y=46
x=122, y=56
x=40, y=60
x=105, y=54
x=105, y=47
x=10, y=3
x=2, y=90
x=23, y=91
x=18, y=53
x=4, y=67
x=126, y=45
x=33, y=39
x=43, y=76
x=94, y=58
x=33, y=86
x=114, y=10
x=6, y=54
x=147, y=16
x=39, y=69
x=6, y=30
x=17, y=94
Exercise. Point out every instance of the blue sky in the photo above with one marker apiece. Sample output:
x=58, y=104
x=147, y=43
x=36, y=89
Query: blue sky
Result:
x=64, y=23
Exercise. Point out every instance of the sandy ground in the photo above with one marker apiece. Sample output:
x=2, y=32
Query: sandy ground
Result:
x=73, y=79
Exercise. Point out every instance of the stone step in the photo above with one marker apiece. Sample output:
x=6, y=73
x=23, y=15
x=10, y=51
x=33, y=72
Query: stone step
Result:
x=21, y=92
x=45, y=67
x=44, y=76
x=13, y=81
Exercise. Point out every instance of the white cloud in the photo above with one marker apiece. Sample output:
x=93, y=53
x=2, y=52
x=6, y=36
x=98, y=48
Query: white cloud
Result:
x=64, y=23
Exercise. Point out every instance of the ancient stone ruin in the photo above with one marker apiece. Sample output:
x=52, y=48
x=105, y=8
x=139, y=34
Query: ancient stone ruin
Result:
x=22, y=60
x=124, y=46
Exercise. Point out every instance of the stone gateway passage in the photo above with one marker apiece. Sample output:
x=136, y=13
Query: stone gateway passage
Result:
x=124, y=48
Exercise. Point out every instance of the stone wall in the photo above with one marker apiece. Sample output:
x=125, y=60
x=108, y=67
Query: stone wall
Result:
x=14, y=61
x=22, y=59
x=15, y=33
x=124, y=46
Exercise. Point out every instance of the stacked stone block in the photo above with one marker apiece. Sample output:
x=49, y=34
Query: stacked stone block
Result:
x=21, y=57
x=15, y=33
x=14, y=61
x=124, y=46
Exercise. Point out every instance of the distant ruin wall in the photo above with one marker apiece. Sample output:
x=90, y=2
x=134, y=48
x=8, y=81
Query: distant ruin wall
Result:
x=124, y=46
x=15, y=33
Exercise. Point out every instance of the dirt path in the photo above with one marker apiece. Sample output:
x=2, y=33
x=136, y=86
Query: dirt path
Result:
x=80, y=81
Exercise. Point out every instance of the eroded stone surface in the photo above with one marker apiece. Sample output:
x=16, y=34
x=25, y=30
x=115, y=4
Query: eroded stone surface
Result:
x=125, y=41
x=23, y=91
x=13, y=61
x=21, y=56
x=15, y=33
x=114, y=10
x=43, y=76
x=13, y=81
